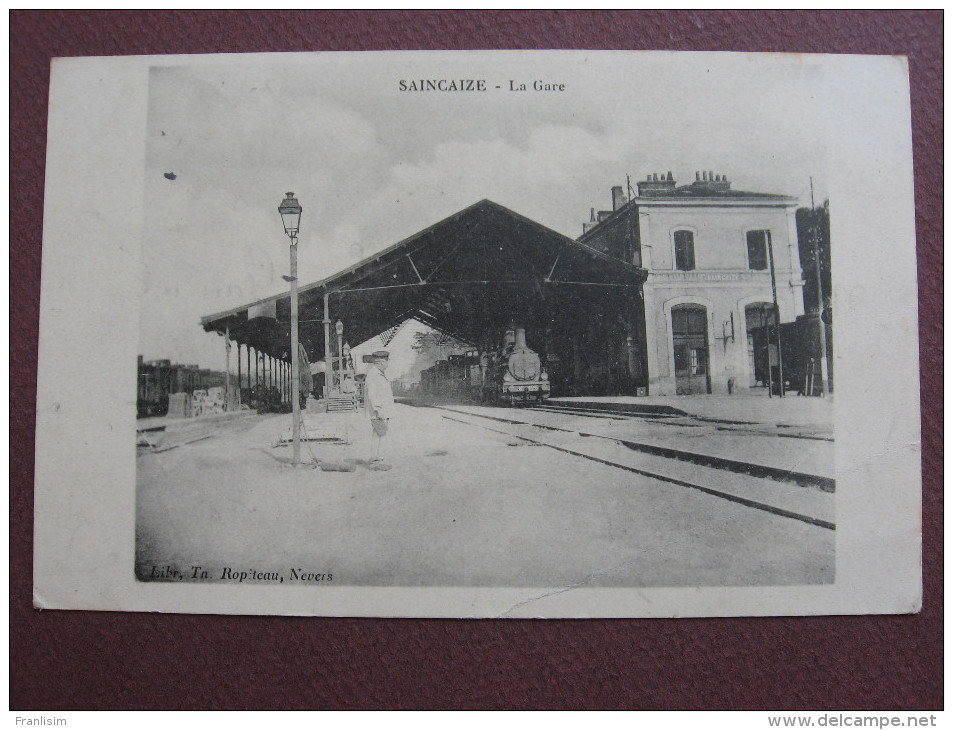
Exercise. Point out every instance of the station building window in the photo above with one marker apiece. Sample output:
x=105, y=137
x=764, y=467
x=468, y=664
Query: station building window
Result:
x=684, y=250
x=758, y=249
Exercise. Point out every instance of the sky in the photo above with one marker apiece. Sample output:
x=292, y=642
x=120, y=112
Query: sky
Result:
x=371, y=164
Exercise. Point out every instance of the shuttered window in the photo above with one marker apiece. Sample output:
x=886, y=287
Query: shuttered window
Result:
x=684, y=250
x=758, y=250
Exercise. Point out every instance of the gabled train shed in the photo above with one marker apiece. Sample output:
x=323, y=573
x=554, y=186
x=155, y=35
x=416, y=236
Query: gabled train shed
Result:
x=469, y=276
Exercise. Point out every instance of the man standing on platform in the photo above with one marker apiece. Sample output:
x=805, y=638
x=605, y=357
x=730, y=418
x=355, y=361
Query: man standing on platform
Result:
x=378, y=404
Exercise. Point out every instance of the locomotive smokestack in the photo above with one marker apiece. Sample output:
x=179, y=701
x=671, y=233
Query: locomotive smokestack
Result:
x=520, y=339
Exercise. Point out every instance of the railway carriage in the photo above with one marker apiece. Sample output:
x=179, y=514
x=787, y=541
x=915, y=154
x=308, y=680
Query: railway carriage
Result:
x=158, y=379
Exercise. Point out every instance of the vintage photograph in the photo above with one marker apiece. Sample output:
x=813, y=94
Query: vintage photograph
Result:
x=502, y=329
x=491, y=320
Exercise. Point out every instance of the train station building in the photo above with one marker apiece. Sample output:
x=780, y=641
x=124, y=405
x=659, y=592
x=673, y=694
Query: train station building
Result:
x=716, y=261
x=671, y=292
x=470, y=276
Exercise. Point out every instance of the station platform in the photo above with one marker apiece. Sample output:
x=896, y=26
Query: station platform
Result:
x=161, y=433
x=472, y=502
x=811, y=420
x=791, y=410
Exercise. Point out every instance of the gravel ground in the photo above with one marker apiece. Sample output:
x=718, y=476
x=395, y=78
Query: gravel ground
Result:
x=461, y=506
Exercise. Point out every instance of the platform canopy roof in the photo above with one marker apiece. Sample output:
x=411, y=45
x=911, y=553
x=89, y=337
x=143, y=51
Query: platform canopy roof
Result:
x=463, y=276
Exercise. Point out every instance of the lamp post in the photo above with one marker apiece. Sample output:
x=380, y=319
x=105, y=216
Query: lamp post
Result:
x=339, y=328
x=290, y=212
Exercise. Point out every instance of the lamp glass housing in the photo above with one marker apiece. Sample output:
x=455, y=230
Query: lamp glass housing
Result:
x=290, y=211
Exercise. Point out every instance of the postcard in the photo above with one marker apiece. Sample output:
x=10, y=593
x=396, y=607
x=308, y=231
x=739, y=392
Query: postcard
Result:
x=479, y=334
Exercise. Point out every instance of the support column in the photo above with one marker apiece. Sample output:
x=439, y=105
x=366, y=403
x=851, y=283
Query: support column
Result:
x=576, y=360
x=239, y=376
x=228, y=368
x=328, y=369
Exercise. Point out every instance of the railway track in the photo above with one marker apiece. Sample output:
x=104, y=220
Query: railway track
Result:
x=790, y=494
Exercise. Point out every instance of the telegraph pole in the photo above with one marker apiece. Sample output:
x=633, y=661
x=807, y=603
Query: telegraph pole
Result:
x=777, y=322
x=821, y=325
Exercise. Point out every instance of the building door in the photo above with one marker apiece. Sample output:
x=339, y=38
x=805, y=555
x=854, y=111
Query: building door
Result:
x=690, y=340
x=759, y=317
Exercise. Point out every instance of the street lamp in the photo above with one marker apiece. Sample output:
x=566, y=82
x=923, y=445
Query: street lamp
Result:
x=290, y=212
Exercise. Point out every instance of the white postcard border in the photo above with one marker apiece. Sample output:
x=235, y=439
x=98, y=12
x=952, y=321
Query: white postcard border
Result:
x=85, y=466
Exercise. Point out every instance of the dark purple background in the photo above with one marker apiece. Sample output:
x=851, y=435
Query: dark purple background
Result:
x=87, y=660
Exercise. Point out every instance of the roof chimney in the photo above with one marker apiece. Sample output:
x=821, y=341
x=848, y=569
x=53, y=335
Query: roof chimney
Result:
x=652, y=186
x=618, y=198
x=591, y=223
x=708, y=182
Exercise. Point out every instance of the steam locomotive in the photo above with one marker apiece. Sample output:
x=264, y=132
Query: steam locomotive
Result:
x=511, y=374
